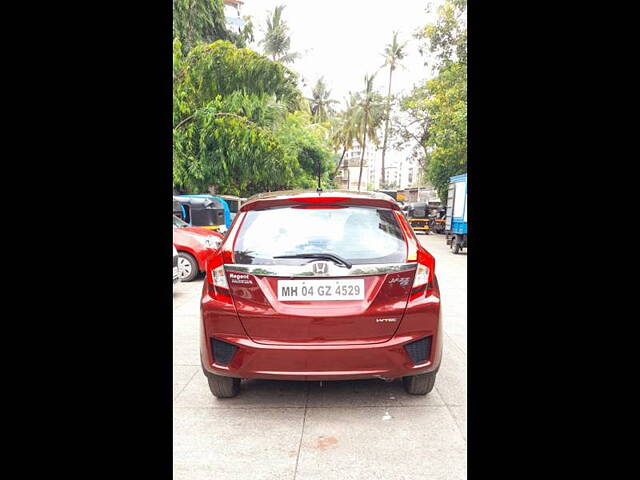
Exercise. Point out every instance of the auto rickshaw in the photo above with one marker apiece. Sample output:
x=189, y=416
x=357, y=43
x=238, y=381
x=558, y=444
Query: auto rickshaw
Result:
x=177, y=209
x=204, y=211
x=234, y=204
x=438, y=222
x=418, y=217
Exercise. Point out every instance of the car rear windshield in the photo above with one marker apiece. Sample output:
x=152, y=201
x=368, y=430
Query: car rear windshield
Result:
x=358, y=234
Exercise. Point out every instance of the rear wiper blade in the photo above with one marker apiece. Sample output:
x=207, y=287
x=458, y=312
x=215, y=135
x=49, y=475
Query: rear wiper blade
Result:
x=329, y=256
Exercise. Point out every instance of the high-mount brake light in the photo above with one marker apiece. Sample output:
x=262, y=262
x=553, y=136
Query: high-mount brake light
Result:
x=319, y=207
x=318, y=199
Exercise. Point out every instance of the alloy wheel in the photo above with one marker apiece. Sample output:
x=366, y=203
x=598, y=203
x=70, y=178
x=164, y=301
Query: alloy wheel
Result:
x=184, y=268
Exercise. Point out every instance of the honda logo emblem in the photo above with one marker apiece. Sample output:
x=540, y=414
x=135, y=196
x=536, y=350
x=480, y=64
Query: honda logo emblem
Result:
x=320, y=268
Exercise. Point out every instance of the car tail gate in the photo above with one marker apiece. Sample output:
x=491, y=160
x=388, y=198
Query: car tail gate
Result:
x=320, y=274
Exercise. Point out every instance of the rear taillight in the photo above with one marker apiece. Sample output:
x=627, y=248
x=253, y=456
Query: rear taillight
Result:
x=216, y=276
x=423, y=280
x=217, y=279
x=423, y=284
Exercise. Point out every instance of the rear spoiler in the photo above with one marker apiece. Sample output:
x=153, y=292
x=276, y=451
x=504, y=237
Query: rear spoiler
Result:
x=318, y=200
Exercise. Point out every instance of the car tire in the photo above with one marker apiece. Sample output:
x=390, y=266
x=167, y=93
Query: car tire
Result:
x=223, y=387
x=188, y=264
x=419, y=384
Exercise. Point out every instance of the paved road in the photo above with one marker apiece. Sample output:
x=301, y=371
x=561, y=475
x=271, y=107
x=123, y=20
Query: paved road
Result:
x=366, y=429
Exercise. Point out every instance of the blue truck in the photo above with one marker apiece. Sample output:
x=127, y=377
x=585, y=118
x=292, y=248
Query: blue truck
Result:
x=456, y=215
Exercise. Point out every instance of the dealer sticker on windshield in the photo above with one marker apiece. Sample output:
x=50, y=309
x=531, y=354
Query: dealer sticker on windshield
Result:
x=342, y=289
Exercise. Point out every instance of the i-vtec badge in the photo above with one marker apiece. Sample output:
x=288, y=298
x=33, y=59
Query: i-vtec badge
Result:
x=385, y=320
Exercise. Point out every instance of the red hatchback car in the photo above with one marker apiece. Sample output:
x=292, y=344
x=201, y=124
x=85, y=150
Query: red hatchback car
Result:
x=320, y=286
x=194, y=245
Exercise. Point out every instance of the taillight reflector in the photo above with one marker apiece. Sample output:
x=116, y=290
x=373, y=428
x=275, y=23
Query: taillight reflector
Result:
x=220, y=278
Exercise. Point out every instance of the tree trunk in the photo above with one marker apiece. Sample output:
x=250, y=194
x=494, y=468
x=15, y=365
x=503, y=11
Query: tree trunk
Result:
x=344, y=150
x=364, y=144
x=386, y=127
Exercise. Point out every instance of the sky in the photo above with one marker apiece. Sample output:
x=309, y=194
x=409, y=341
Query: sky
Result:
x=343, y=40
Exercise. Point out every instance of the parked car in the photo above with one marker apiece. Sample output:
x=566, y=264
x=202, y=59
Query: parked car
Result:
x=194, y=244
x=176, y=273
x=320, y=286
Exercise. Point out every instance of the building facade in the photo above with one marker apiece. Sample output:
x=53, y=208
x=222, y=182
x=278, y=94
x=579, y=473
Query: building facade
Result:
x=350, y=170
x=401, y=171
x=232, y=14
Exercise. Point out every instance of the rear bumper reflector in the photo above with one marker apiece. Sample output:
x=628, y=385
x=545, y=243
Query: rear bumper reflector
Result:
x=419, y=350
x=222, y=351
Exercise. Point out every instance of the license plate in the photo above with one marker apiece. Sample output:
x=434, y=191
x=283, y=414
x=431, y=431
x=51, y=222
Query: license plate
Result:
x=299, y=290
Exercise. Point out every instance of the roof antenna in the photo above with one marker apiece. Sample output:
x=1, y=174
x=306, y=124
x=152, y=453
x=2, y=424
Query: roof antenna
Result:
x=318, y=164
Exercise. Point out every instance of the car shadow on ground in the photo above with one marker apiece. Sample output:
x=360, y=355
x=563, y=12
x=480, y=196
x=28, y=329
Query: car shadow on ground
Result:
x=335, y=393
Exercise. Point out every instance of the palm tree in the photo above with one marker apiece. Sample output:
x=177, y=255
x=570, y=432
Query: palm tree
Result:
x=393, y=53
x=321, y=102
x=276, y=39
x=368, y=117
x=344, y=130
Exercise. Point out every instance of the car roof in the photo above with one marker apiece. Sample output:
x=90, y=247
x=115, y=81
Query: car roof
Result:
x=330, y=197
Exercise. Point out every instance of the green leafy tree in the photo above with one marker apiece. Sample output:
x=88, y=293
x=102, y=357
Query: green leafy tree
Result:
x=436, y=112
x=203, y=21
x=306, y=144
x=240, y=124
x=411, y=126
x=221, y=68
x=228, y=151
x=393, y=54
x=228, y=103
x=447, y=38
x=276, y=41
x=447, y=135
x=321, y=103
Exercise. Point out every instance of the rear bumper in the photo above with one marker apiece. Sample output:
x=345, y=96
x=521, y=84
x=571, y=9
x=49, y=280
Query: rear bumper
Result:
x=299, y=361
x=386, y=360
